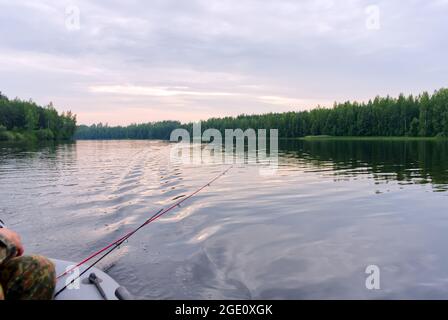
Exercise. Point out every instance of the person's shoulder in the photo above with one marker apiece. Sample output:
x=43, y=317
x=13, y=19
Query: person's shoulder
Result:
x=7, y=248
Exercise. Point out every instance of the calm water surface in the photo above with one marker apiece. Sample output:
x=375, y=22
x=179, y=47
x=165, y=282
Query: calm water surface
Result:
x=309, y=231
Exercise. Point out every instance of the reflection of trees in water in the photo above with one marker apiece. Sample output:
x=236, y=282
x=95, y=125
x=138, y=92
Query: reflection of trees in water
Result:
x=49, y=153
x=404, y=161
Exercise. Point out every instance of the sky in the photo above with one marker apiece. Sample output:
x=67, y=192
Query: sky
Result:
x=122, y=62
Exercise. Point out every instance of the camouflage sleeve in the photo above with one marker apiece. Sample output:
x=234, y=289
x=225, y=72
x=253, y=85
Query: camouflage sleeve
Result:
x=7, y=249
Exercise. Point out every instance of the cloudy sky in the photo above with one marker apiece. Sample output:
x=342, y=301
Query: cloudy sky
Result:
x=137, y=61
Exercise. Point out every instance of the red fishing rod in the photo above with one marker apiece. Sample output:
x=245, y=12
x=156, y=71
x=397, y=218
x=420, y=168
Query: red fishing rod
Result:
x=115, y=244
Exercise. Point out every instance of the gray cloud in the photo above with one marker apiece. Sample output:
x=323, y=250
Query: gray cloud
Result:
x=264, y=55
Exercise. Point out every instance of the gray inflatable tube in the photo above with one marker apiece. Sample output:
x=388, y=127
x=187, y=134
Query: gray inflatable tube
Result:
x=93, y=285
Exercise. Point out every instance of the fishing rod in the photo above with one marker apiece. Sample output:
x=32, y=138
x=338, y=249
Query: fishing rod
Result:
x=118, y=244
x=115, y=244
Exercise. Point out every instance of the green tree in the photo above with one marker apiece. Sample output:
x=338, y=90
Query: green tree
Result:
x=31, y=117
x=414, y=128
x=42, y=122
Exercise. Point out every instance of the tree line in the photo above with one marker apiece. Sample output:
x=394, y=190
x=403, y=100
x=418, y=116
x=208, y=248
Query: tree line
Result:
x=25, y=120
x=425, y=115
x=152, y=130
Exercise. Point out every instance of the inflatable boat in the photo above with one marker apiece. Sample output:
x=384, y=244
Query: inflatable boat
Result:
x=93, y=285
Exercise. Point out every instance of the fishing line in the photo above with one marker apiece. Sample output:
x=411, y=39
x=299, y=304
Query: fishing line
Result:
x=118, y=244
x=115, y=244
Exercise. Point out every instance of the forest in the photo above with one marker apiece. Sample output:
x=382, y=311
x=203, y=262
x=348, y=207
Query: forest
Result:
x=425, y=115
x=151, y=130
x=26, y=121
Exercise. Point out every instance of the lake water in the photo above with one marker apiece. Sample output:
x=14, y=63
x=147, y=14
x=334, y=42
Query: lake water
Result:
x=309, y=231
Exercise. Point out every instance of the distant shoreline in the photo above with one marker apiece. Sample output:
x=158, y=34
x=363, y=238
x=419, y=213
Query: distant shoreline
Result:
x=34, y=141
x=317, y=138
x=35, y=136
x=371, y=138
